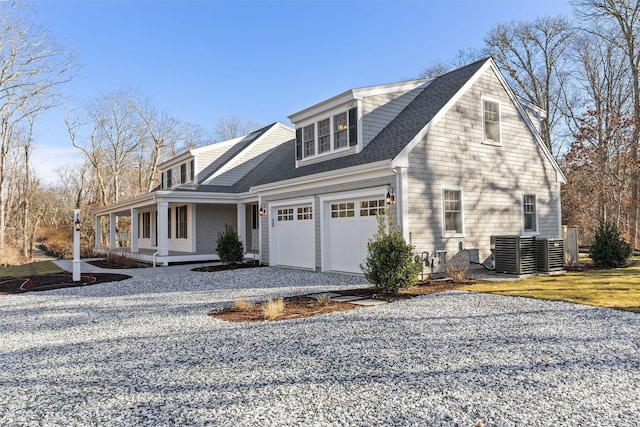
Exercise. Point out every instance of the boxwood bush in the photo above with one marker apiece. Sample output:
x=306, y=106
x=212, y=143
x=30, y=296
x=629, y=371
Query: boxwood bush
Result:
x=229, y=247
x=390, y=264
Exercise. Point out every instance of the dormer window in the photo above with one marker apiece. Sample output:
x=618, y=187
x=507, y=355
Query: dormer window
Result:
x=324, y=136
x=177, y=175
x=335, y=133
x=340, y=127
x=309, y=140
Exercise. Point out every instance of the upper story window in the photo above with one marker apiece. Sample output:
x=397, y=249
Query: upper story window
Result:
x=177, y=175
x=491, y=114
x=340, y=128
x=308, y=133
x=330, y=134
x=324, y=136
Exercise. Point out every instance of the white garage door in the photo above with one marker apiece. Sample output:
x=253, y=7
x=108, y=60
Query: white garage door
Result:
x=351, y=224
x=294, y=237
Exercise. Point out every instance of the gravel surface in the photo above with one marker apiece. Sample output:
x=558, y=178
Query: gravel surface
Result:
x=144, y=352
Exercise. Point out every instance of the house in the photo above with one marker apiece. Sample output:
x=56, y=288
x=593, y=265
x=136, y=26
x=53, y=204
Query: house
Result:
x=457, y=159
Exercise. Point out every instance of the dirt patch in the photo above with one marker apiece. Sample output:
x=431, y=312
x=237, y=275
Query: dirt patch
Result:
x=303, y=306
x=16, y=285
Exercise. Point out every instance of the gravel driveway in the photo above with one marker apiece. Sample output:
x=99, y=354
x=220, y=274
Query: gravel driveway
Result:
x=144, y=352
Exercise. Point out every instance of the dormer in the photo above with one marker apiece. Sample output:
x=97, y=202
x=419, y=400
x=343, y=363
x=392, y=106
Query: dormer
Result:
x=179, y=171
x=345, y=124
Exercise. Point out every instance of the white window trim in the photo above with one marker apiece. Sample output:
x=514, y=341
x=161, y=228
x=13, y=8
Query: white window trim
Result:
x=525, y=232
x=446, y=233
x=488, y=141
x=330, y=114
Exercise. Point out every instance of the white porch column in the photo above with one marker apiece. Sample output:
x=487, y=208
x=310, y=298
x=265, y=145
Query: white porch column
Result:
x=163, y=224
x=242, y=224
x=134, y=231
x=402, y=200
x=98, y=232
x=112, y=230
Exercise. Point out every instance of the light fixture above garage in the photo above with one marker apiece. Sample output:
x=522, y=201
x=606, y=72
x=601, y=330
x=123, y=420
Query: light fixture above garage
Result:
x=391, y=197
x=263, y=211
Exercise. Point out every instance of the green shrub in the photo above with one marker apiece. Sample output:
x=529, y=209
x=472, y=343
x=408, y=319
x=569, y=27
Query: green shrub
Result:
x=390, y=262
x=229, y=247
x=609, y=250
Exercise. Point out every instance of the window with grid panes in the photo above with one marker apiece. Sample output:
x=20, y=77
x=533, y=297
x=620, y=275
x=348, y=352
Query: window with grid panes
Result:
x=372, y=207
x=453, y=211
x=309, y=140
x=529, y=210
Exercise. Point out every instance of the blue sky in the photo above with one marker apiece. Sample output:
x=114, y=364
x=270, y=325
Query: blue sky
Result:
x=258, y=60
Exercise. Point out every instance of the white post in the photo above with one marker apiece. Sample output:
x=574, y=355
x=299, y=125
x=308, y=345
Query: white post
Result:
x=241, y=220
x=134, y=231
x=112, y=231
x=163, y=231
x=76, y=245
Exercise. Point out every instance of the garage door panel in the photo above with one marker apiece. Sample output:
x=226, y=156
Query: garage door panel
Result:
x=294, y=237
x=351, y=224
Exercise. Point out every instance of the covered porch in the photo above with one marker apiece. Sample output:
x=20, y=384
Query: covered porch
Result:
x=165, y=227
x=150, y=256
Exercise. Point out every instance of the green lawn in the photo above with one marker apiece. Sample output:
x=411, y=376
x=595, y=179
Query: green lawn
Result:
x=31, y=269
x=616, y=288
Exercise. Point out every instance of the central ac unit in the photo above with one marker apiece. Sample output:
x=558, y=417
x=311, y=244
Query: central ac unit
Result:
x=515, y=254
x=550, y=254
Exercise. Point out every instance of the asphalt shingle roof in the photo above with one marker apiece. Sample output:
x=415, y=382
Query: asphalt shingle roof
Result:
x=280, y=165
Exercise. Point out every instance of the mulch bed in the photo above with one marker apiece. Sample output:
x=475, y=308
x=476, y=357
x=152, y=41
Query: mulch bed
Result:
x=16, y=285
x=303, y=306
x=103, y=263
x=225, y=267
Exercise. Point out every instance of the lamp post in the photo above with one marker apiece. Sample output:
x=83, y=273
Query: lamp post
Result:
x=76, y=245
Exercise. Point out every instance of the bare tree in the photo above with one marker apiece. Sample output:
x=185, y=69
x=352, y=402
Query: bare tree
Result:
x=618, y=23
x=532, y=54
x=232, y=127
x=33, y=66
x=462, y=58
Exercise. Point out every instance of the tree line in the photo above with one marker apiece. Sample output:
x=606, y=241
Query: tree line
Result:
x=583, y=70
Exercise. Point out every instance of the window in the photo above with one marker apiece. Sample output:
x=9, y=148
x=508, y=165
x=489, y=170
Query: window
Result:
x=330, y=134
x=340, y=131
x=309, y=140
x=305, y=213
x=285, y=214
x=181, y=222
x=146, y=225
x=183, y=173
x=529, y=212
x=452, y=207
x=372, y=207
x=491, y=121
x=169, y=178
x=343, y=210
x=324, y=136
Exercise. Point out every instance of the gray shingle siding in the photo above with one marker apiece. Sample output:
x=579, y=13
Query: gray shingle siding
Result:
x=210, y=220
x=492, y=178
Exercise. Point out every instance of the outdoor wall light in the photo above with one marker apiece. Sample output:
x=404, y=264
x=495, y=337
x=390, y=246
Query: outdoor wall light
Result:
x=391, y=197
x=263, y=211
